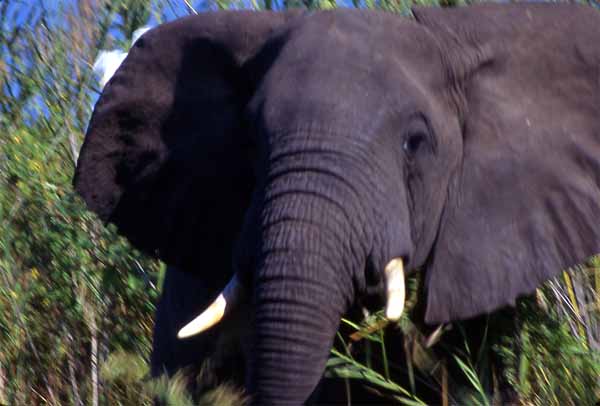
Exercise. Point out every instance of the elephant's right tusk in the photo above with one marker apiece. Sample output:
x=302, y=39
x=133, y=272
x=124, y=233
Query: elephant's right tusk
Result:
x=394, y=275
x=225, y=302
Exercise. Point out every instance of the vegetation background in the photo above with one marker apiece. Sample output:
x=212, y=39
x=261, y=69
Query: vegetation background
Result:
x=77, y=302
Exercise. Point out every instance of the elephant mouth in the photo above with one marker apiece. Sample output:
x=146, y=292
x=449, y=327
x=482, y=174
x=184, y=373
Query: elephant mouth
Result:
x=234, y=292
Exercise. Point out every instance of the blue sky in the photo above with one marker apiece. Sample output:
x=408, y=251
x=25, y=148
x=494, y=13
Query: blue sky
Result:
x=172, y=9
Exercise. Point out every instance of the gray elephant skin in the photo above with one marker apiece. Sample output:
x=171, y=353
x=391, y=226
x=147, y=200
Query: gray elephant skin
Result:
x=304, y=151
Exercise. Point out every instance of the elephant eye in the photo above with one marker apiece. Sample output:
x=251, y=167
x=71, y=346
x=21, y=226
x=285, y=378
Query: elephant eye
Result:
x=413, y=142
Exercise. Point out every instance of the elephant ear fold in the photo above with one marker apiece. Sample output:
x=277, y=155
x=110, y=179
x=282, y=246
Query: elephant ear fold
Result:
x=165, y=154
x=525, y=202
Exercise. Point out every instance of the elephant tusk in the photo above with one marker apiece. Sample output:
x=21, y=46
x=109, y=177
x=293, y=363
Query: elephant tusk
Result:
x=223, y=304
x=394, y=275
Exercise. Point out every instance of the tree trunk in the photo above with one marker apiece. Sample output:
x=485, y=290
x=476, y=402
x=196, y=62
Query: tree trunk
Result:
x=94, y=361
x=3, y=399
x=72, y=375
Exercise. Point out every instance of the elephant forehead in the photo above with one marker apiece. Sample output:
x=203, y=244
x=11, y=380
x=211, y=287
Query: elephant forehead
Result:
x=365, y=38
x=346, y=64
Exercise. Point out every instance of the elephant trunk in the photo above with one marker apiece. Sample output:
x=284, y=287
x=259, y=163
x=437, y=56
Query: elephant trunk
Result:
x=304, y=281
x=296, y=321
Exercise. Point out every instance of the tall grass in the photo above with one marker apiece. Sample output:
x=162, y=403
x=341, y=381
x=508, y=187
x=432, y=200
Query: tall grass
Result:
x=547, y=354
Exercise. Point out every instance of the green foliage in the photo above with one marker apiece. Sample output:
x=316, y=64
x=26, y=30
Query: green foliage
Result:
x=548, y=356
x=474, y=371
x=548, y=365
x=71, y=290
x=224, y=395
x=125, y=376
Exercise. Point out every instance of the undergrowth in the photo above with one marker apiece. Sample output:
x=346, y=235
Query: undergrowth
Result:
x=539, y=352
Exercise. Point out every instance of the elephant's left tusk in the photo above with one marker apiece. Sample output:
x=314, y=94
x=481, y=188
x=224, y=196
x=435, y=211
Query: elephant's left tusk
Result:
x=226, y=301
x=394, y=275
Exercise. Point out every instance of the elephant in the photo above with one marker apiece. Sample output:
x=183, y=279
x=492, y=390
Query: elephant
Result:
x=317, y=158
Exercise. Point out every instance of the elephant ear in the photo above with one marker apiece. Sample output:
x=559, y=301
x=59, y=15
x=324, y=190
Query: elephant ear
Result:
x=525, y=202
x=165, y=156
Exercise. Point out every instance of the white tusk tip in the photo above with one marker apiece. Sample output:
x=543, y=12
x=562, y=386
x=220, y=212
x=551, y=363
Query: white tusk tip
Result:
x=211, y=316
x=183, y=334
x=394, y=308
x=396, y=294
x=228, y=299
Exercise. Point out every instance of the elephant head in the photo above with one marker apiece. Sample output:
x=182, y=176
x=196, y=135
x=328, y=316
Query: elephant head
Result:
x=342, y=147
